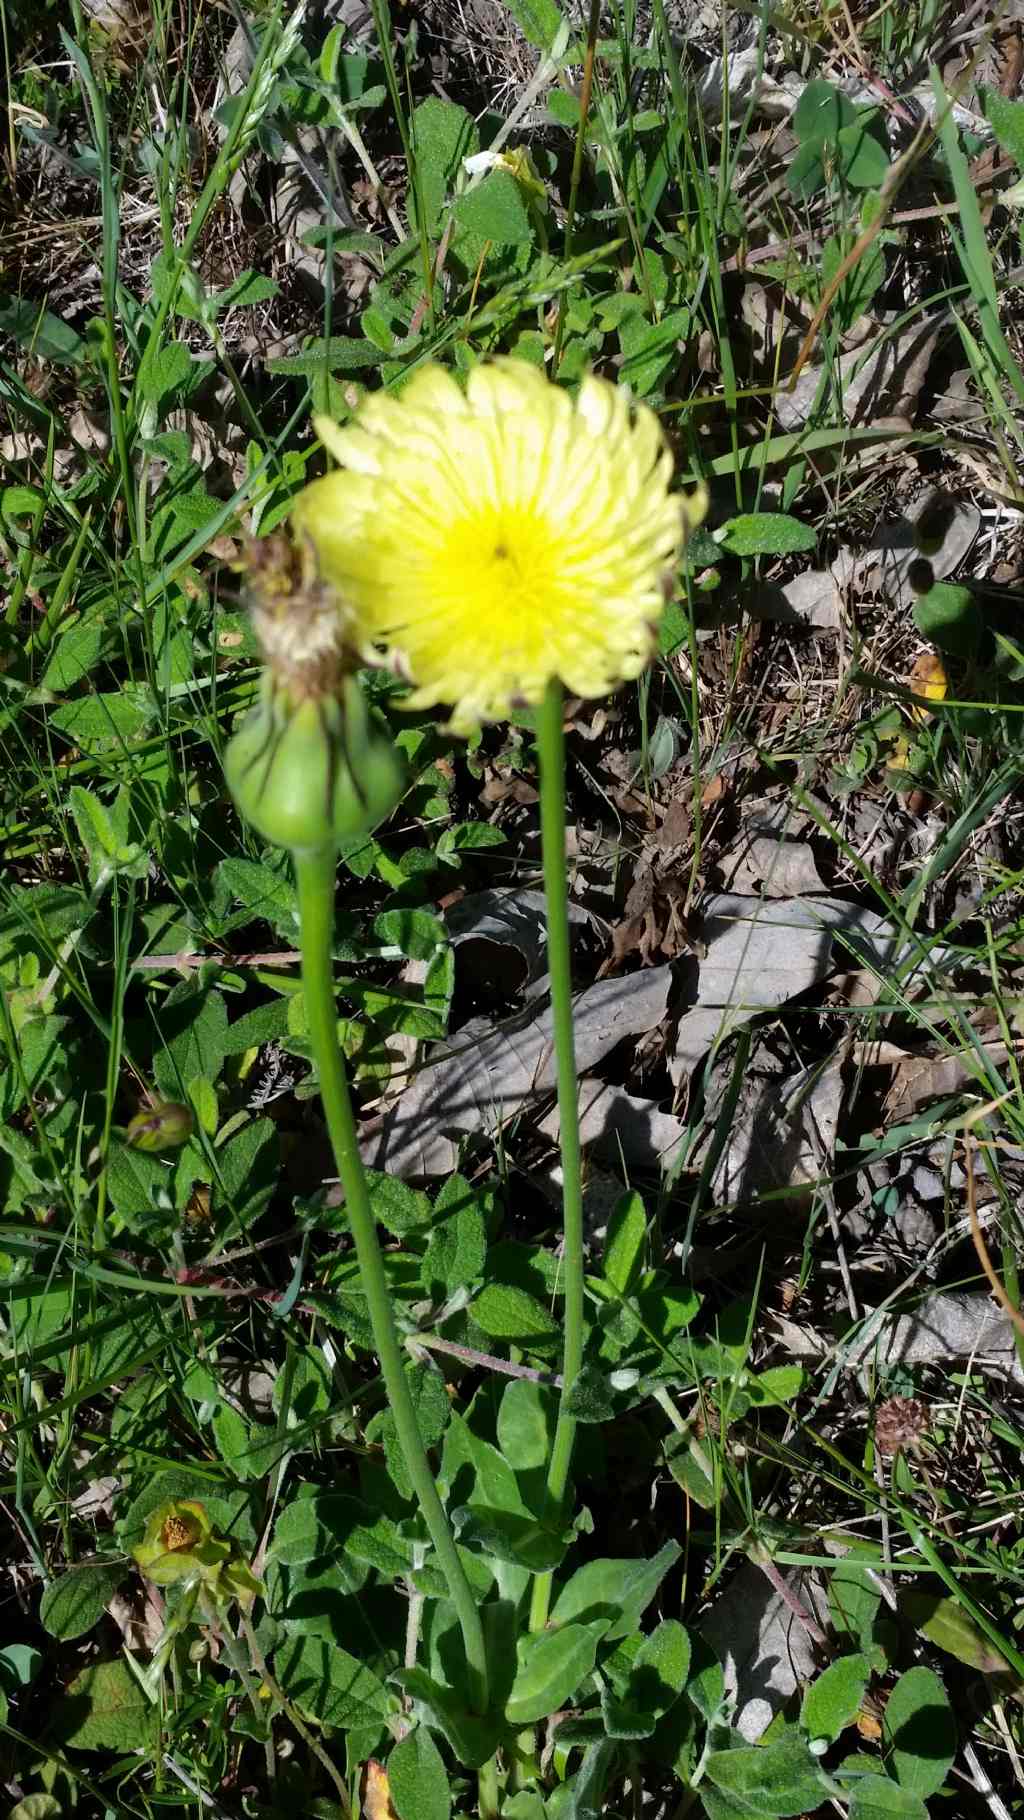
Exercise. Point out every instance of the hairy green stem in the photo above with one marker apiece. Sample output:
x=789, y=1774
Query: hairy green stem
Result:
x=314, y=875
x=551, y=747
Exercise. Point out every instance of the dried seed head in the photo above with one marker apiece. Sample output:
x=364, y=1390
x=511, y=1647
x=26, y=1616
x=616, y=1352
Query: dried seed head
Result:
x=900, y=1422
x=299, y=622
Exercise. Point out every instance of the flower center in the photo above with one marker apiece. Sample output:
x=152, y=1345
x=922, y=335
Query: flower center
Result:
x=501, y=566
x=179, y=1532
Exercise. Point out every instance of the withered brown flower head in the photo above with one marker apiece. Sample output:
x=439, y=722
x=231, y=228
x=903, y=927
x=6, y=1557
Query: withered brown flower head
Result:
x=298, y=619
x=900, y=1422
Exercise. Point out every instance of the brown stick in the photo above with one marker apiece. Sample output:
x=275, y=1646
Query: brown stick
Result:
x=982, y=1249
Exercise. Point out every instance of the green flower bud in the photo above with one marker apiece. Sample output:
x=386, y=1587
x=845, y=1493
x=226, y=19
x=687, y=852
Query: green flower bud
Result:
x=161, y=1126
x=313, y=773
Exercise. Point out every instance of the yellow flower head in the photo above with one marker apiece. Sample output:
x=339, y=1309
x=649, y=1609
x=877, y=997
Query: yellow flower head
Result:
x=500, y=537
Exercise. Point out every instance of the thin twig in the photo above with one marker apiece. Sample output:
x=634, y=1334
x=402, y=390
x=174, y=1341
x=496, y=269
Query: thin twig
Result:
x=277, y=1692
x=982, y=1249
x=159, y=963
x=486, y=1360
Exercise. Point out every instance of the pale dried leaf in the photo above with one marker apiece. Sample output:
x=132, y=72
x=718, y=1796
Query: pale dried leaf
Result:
x=947, y=1325
x=491, y=1071
x=785, y=868
x=97, y=1500
x=515, y=919
x=761, y=952
x=811, y=599
x=618, y=1125
x=763, y=1647
x=883, y=380
x=783, y=1137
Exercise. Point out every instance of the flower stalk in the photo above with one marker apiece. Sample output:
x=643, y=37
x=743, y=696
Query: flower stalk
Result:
x=309, y=771
x=551, y=749
x=314, y=877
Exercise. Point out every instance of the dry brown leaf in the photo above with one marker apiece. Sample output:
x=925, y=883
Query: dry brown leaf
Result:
x=920, y=1078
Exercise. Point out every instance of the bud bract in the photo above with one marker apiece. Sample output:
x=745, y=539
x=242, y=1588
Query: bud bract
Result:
x=314, y=773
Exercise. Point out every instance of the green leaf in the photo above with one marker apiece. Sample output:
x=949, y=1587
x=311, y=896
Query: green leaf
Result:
x=584, y=1793
x=853, y=1598
x=821, y=114
x=247, y=289
x=73, y=1604
x=617, y=1589
x=496, y=210
x=655, y=1681
x=765, y=534
x=45, y=335
x=430, y=1402
x=264, y=1024
x=335, y=354
x=443, y=135
x=590, y=1397
x=165, y=371
x=247, y=1167
x=858, y=288
x=102, y=838
x=806, y=174
x=624, y=1243
x=36, y=1807
x=507, y=1536
x=472, y=1739
x=945, y=1623
x=948, y=615
x=76, y=652
x=104, y=719
x=833, y=1701
x=705, y=1688
x=779, y=1384
x=650, y=349
x=538, y=20
x=526, y=1424
x=864, y=159
x=397, y=1206
x=324, y=1680
x=266, y=892
x=19, y=1666
x=919, y=1730
x=551, y=1665
x=418, y=1779
x=507, y=1313
x=774, y=1780
x=317, y=1528
x=457, y=1246
x=494, y=1485
x=104, y=1708
x=416, y=933
x=876, y=1798
x=1006, y=118
x=194, y=1031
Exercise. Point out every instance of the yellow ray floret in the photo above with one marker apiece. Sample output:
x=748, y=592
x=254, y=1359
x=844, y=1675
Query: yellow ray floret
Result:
x=502, y=536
